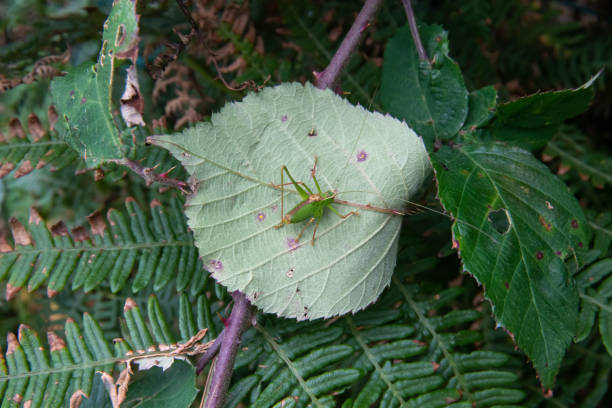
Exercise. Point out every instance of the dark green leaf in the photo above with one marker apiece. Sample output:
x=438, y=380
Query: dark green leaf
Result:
x=520, y=262
x=432, y=99
x=546, y=108
x=481, y=105
x=155, y=388
x=83, y=96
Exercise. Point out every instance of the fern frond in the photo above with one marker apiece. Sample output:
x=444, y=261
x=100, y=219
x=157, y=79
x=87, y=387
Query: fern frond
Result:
x=420, y=354
x=595, y=285
x=155, y=248
x=33, y=376
x=34, y=149
x=570, y=145
x=579, y=61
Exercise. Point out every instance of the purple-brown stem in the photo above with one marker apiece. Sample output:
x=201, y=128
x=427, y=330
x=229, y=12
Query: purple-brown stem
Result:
x=221, y=376
x=414, y=30
x=150, y=177
x=210, y=353
x=328, y=77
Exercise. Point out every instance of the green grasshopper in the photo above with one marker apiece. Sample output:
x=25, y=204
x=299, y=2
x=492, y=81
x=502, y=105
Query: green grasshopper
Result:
x=312, y=206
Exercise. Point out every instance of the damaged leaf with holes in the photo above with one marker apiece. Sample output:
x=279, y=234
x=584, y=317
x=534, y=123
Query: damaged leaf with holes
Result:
x=518, y=234
x=84, y=96
x=236, y=160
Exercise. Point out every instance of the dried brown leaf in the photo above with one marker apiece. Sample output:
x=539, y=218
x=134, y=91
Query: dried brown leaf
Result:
x=132, y=103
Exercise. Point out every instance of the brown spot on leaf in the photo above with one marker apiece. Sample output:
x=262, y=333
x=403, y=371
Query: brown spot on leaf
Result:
x=35, y=217
x=435, y=366
x=98, y=174
x=35, y=127
x=545, y=223
x=4, y=245
x=507, y=285
x=563, y=169
x=96, y=221
x=539, y=255
x=6, y=168
x=11, y=291
x=24, y=169
x=42, y=163
x=16, y=130
x=55, y=342
x=129, y=304
x=80, y=234
x=155, y=203
x=12, y=343
x=575, y=224
x=20, y=235
x=131, y=102
x=52, y=115
x=77, y=398
x=51, y=292
x=120, y=35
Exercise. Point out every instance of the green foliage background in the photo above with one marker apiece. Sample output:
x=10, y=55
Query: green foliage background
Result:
x=432, y=317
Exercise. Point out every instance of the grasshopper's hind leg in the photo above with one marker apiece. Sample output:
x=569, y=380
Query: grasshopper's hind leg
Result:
x=304, y=228
x=343, y=216
x=314, y=233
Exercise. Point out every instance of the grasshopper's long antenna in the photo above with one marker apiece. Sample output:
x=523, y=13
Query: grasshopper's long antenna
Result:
x=396, y=211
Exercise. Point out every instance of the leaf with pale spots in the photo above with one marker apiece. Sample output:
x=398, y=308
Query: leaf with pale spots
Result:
x=520, y=229
x=366, y=157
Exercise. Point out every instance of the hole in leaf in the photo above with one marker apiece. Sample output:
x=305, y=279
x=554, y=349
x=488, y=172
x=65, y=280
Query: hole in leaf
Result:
x=500, y=220
x=120, y=35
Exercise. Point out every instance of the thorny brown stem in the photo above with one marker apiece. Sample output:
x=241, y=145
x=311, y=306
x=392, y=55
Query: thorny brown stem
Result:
x=222, y=374
x=415, y=31
x=330, y=75
x=210, y=352
x=150, y=177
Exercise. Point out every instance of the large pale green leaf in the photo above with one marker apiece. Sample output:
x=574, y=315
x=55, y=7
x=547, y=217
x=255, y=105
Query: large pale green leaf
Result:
x=83, y=96
x=367, y=157
x=518, y=223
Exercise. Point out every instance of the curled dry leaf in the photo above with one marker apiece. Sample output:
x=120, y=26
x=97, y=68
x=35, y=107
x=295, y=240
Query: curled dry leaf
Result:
x=132, y=104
